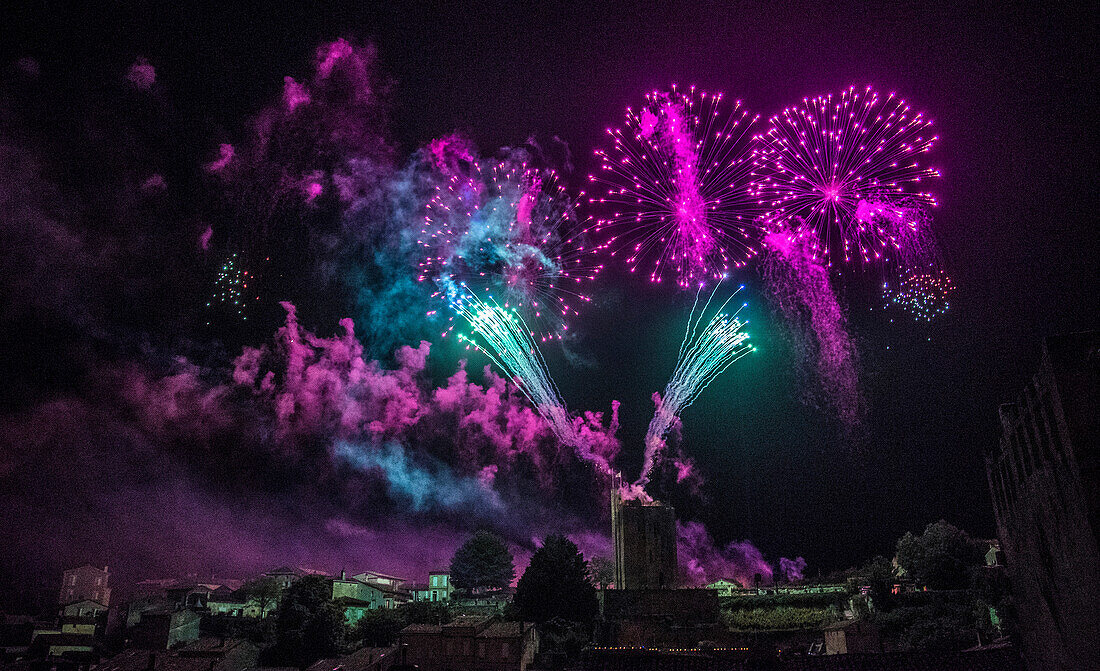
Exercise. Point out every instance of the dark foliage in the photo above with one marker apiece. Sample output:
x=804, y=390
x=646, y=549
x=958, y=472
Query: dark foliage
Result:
x=379, y=628
x=556, y=584
x=309, y=625
x=482, y=561
x=941, y=557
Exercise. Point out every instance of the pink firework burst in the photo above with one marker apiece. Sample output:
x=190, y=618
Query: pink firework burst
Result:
x=508, y=232
x=832, y=170
x=677, y=178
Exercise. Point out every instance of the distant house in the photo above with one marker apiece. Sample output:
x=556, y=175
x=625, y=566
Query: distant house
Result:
x=487, y=602
x=85, y=583
x=205, y=654
x=233, y=605
x=439, y=586
x=166, y=629
x=857, y=636
x=356, y=597
x=469, y=642
x=63, y=645
x=725, y=587
x=286, y=576
x=74, y=624
x=382, y=579
x=355, y=588
x=84, y=608
x=354, y=609
x=196, y=595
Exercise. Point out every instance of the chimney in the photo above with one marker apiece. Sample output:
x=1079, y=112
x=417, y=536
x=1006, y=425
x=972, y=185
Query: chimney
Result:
x=343, y=574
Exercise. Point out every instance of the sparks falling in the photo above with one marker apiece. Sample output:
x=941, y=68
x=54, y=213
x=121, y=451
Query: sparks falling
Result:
x=821, y=168
x=507, y=341
x=230, y=288
x=925, y=295
x=678, y=203
x=706, y=351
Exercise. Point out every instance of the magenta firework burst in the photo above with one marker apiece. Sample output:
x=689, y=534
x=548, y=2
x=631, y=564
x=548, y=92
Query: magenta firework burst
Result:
x=677, y=203
x=822, y=168
x=506, y=232
x=924, y=294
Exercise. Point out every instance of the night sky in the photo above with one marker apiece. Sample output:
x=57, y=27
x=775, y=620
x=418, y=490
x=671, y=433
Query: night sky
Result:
x=1011, y=91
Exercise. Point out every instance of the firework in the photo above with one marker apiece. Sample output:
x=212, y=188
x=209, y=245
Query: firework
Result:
x=925, y=295
x=706, y=351
x=505, y=231
x=507, y=341
x=230, y=288
x=677, y=176
x=823, y=170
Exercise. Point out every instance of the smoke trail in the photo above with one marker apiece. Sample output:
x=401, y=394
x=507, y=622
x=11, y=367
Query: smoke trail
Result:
x=704, y=354
x=799, y=284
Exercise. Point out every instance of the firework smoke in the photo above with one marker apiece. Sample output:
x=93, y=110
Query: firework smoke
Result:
x=508, y=230
x=800, y=288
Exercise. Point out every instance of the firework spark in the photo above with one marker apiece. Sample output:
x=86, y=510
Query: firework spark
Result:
x=821, y=169
x=678, y=202
x=925, y=294
x=706, y=351
x=505, y=231
x=507, y=341
x=230, y=291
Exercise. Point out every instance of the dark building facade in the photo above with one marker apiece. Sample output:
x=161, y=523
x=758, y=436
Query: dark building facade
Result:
x=469, y=642
x=644, y=533
x=1043, y=476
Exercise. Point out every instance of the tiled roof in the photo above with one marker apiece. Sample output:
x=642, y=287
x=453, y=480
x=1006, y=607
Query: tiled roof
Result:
x=502, y=630
x=230, y=655
x=422, y=629
x=359, y=660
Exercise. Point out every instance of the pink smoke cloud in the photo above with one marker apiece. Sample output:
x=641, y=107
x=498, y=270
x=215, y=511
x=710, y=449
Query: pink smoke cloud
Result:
x=294, y=94
x=704, y=563
x=225, y=155
x=801, y=289
x=141, y=74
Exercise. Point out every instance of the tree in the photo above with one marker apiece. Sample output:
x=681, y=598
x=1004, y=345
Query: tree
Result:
x=939, y=558
x=878, y=574
x=379, y=628
x=264, y=591
x=308, y=626
x=602, y=571
x=556, y=584
x=482, y=561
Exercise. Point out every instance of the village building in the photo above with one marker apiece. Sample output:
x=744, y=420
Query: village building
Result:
x=469, y=642
x=86, y=583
